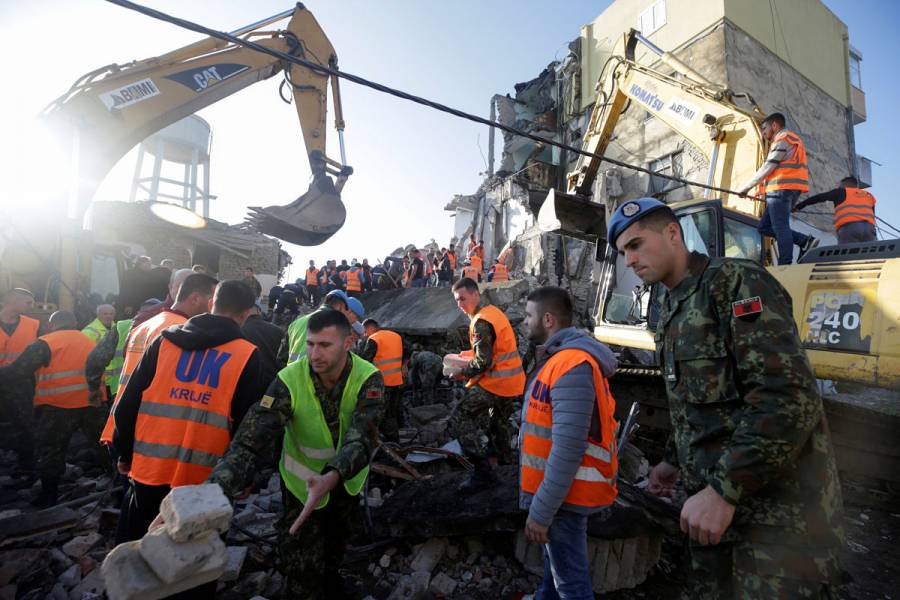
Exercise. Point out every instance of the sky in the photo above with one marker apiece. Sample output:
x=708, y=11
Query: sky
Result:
x=408, y=160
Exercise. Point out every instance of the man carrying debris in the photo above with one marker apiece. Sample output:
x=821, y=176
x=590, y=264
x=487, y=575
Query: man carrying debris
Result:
x=496, y=380
x=783, y=177
x=749, y=441
x=183, y=403
x=96, y=329
x=293, y=346
x=62, y=403
x=386, y=349
x=327, y=406
x=854, y=211
x=567, y=441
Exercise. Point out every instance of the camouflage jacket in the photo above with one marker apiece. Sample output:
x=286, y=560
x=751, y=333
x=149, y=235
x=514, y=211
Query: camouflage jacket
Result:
x=100, y=356
x=746, y=415
x=484, y=349
x=17, y=378
x=264, y=425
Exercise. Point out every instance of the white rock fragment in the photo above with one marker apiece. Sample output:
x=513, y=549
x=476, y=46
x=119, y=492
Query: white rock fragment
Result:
x=193, y=510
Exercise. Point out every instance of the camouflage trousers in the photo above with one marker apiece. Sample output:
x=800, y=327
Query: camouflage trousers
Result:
x=393, y=413
x=17, y=404
x=55, y=427
x=738, y=570
x=310, y=559
x=481, y=424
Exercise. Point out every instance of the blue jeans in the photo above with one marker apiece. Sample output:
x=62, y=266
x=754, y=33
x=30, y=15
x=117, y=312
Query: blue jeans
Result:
x=566, y=570
x=776, y=222
x=417, y=283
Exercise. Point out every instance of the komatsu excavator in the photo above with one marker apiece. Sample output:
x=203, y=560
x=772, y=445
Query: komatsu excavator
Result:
x=844, y=297
x=111, y=109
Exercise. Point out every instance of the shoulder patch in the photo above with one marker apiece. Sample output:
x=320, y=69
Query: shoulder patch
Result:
x=373, y=393
x=267, y=401
x=747, y=307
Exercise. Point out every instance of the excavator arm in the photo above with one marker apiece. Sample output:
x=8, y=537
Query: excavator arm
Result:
x=699, y=110
x=110, y=110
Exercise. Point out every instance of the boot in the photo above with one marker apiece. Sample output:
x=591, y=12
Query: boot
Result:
x=481, y=478
x=49, y=494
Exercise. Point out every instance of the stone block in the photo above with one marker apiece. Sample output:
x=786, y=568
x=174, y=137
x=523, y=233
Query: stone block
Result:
x=92, y=586
x=411, y=587
x=79, y=546
x=429, y=555
x=129, y=577
x=173, y=561
x=236, y=557
x=442, y=585
x=71, y=577
x=192, y=510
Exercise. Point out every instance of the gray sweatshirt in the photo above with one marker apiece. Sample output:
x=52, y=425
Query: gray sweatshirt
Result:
x=573, y=400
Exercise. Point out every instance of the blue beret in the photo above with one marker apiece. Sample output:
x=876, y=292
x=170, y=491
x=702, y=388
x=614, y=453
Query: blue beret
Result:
x=629, y=213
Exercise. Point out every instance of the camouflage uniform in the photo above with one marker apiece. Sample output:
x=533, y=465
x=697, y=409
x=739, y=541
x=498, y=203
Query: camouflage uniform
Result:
x=748, y=421
x=481, y=420
x=311, y=558
x=425, y=372
x=100, y=356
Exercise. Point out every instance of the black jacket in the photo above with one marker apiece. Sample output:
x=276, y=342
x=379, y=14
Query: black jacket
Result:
x=266, y=337
x=200, y=332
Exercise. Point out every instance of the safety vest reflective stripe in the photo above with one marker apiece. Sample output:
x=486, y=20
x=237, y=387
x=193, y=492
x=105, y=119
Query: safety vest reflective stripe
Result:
x=317, y=453
x=60, y=375
x=588, y=474
x=60, y=390
x=501, y=273
x=353, y=282
x=296, y=468
x=789, y=175
x=123, y=379
x=187, y=413
x=294, y=356
x=182, y=455
x=114, y=372
x=62, y=383
x=12, y=355
x=858, y=205
x=506, y=376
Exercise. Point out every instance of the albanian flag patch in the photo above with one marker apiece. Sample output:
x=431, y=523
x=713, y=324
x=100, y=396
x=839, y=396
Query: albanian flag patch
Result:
x=747, y=308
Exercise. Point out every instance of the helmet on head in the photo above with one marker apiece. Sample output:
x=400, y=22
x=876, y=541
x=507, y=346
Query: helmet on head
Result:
x=629, y=213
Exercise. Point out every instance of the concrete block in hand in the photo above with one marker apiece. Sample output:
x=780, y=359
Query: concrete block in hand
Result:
x=173, y=561
x=192, y=510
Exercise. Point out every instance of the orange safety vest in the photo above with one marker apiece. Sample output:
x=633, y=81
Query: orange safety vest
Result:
x=859, y=205
x=184, y=424
x=452, y=256
x=789, y=175
x=312, y=277
x=63, y=383
x=389, y=356
x=11, y=346
x=351, y=278
x=139, y=340
x=505, y=377
x=477, y=263
x=595, y=481
x=471, y=272
x=501, y=273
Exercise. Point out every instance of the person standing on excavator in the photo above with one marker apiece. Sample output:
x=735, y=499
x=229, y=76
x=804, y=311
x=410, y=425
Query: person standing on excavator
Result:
x=854, y=211
x=782, y=178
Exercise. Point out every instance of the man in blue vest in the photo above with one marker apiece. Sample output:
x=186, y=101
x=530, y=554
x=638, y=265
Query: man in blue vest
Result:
x=327, y=406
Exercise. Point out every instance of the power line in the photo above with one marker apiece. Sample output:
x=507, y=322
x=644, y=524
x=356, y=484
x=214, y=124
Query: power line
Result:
x=150, y=12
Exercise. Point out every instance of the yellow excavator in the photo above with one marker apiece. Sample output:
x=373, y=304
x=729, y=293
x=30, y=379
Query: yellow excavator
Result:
x=111, y=109
x=844, y=297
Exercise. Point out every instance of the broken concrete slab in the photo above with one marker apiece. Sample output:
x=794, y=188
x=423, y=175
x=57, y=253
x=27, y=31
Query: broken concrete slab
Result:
x=504, y=294
x=32, y=524
x=192, y=510
x=419, y=311
x=173, y=561
x=236, y=557
x=129, y=577
x=442, y=585
x=91, y=586
x=80, y=545
x=429, y=555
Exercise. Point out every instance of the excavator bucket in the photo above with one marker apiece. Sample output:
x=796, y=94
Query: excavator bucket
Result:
x=307, y=221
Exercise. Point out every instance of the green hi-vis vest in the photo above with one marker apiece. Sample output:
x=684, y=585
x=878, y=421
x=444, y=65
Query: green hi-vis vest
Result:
x=114, y=368
x=95, y=330
x=297, y=337
x=308, y=445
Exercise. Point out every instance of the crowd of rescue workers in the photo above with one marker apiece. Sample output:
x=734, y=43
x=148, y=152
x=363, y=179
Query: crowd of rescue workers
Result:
x=199, y=386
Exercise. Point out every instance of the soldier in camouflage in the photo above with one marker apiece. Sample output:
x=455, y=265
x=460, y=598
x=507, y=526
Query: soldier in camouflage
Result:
x=425, y=372
x=750, y=441
x=311, y=554
x=481, y=420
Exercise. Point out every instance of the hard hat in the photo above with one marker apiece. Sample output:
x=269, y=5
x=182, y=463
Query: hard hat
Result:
x=337, y=293
x=357, y=307
x=629, y=213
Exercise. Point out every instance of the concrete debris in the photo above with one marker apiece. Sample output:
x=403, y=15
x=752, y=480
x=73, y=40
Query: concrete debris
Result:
x=173, y=561
x=236, y=557
x=79, y=546
x=430, y=554
x=442, y=585
x=192, y=510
